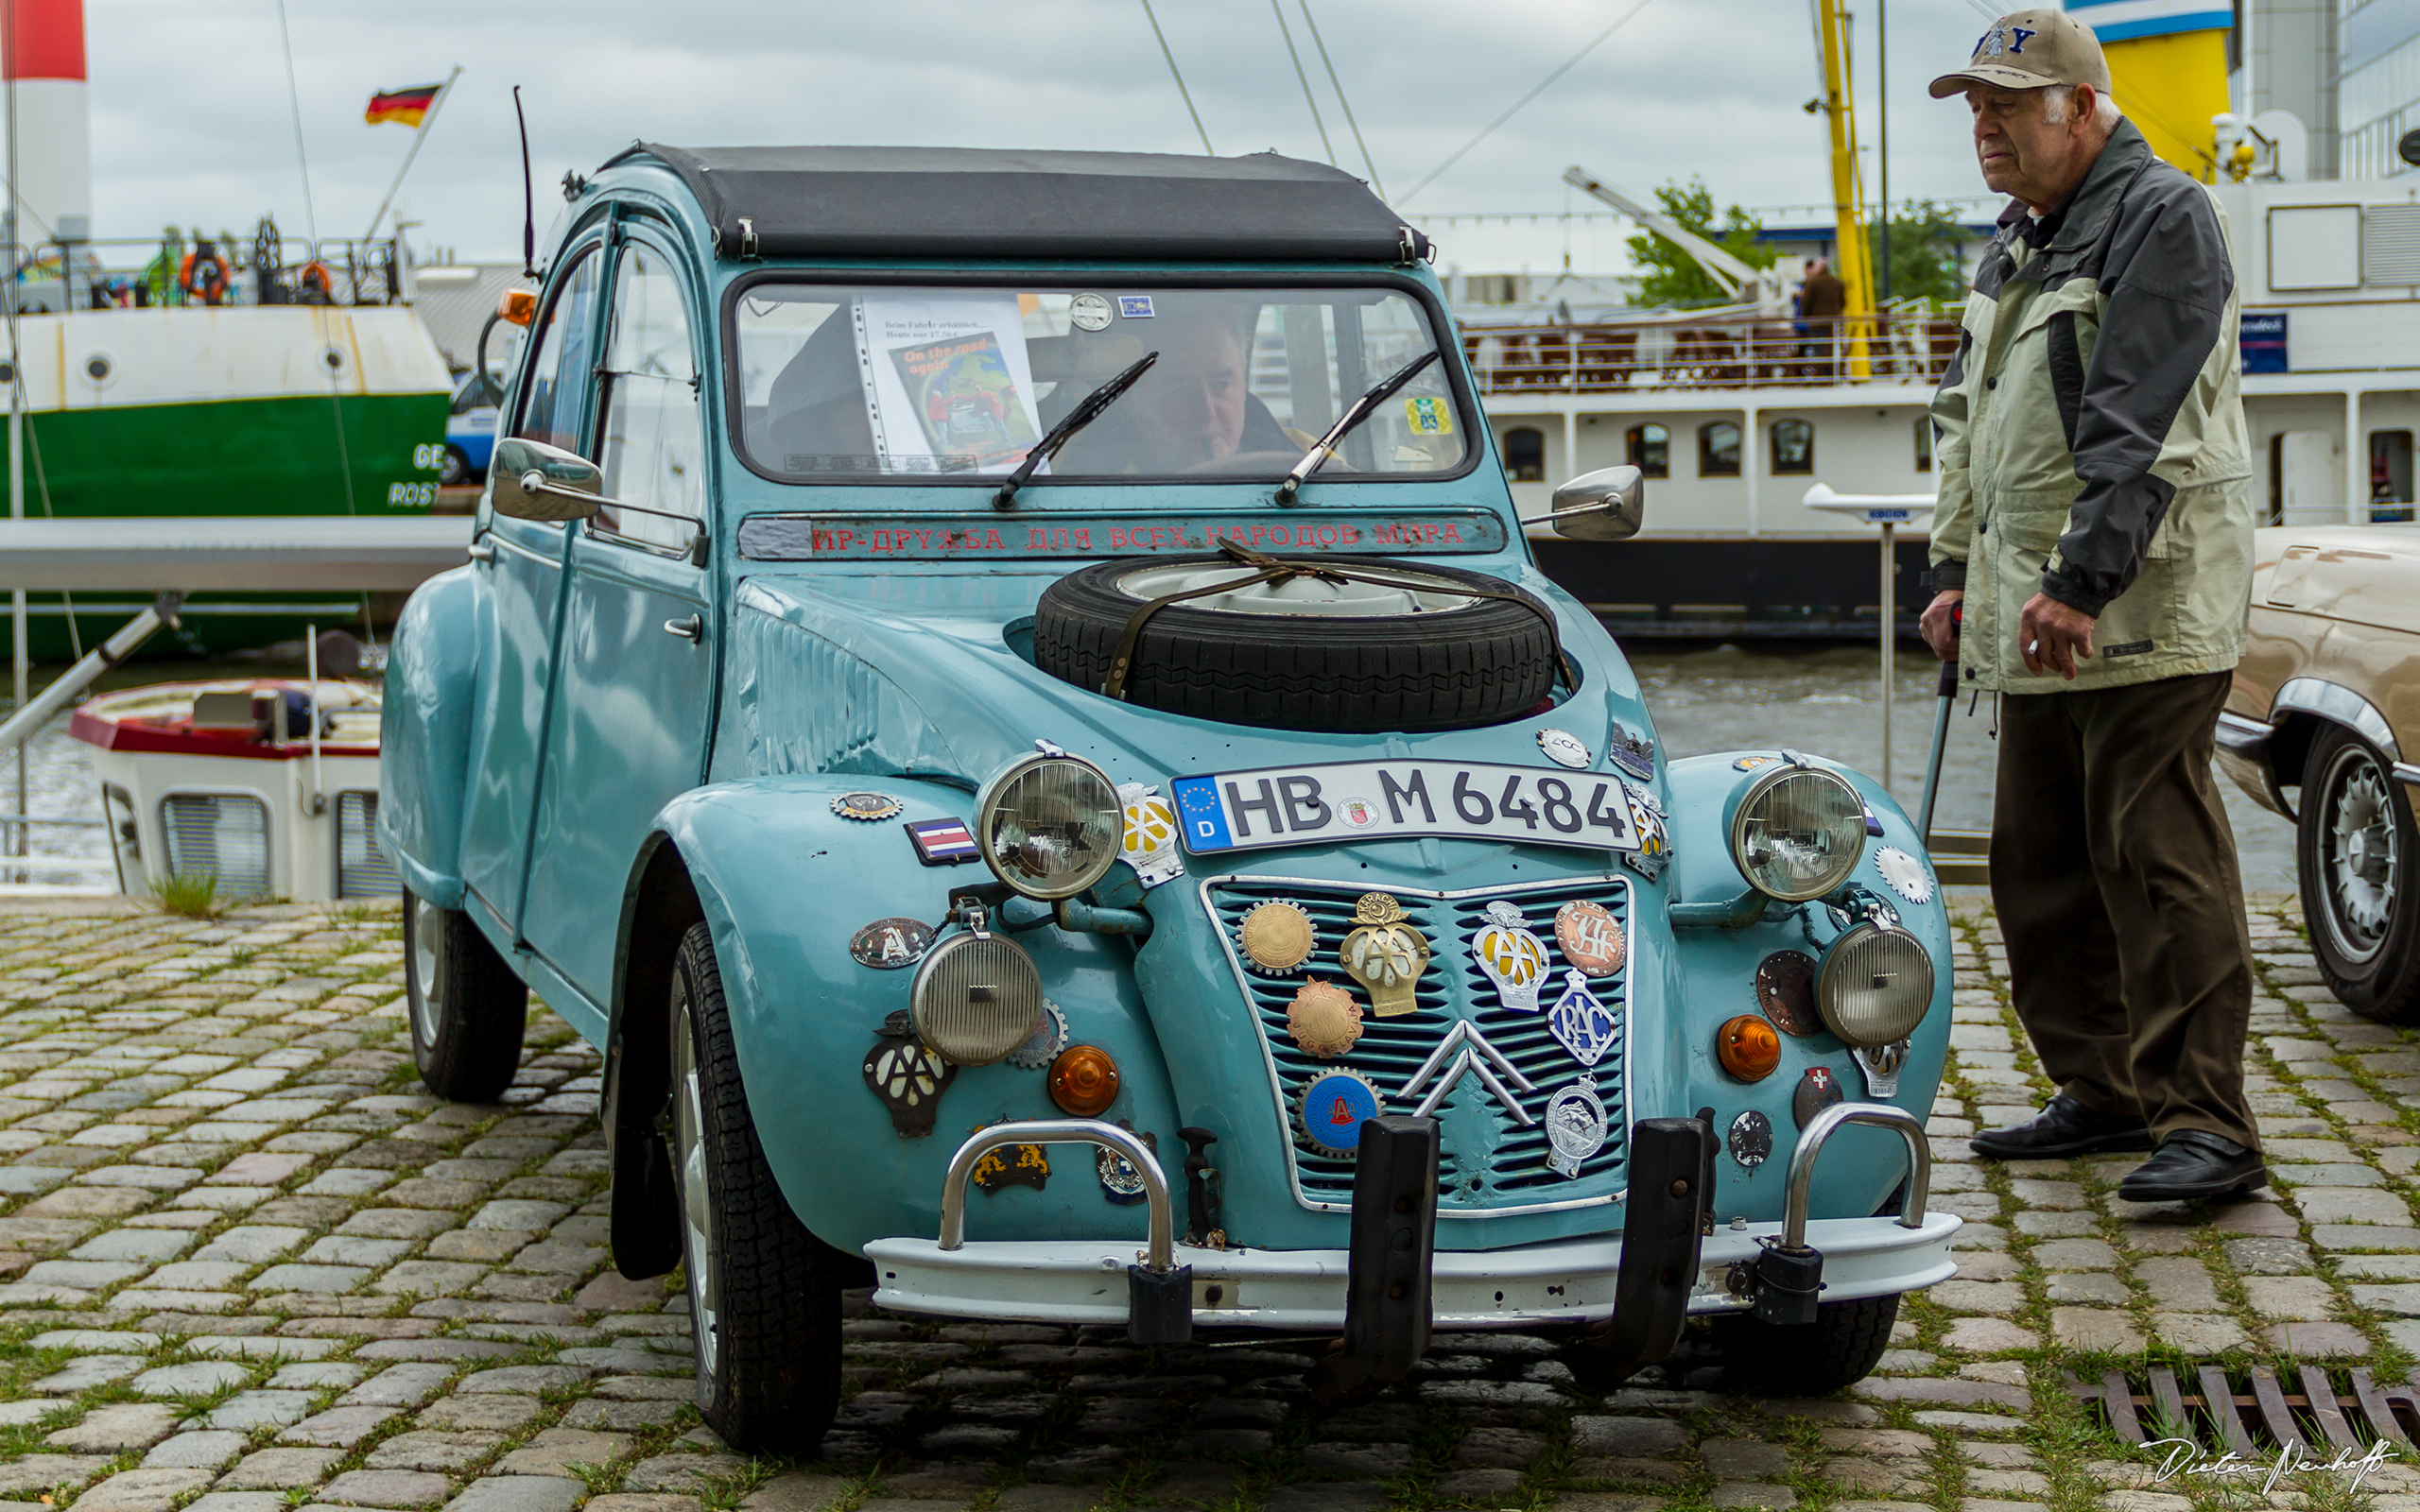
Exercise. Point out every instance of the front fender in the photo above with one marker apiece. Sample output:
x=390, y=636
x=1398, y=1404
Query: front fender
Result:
x=425, y=736
x=784, y=883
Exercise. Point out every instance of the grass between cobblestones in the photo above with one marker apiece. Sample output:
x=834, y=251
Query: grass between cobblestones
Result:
x=247, y=1265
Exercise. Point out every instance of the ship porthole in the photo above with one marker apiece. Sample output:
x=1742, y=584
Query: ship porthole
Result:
x=8, y=373
x=334, y=358
x=97, y=368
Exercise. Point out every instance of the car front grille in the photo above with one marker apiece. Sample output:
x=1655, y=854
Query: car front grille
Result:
x=1491, y=1164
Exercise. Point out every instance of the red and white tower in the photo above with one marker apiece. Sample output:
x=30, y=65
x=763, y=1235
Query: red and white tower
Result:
x=51, y=127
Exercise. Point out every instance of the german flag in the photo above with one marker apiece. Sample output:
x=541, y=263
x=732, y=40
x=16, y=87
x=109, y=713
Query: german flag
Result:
x=410, y=106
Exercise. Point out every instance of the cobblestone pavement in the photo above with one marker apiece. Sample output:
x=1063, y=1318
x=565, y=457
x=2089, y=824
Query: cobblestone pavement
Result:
x=246, y=1266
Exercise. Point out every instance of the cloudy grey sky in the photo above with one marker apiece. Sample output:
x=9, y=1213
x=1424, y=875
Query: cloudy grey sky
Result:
x=191, y=122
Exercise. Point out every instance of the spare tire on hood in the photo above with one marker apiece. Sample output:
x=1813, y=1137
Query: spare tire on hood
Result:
x=1431, y=648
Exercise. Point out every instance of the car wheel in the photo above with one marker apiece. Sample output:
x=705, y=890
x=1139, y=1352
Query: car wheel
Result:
x=467, y=1008
x=1842, y=1347
x=2356, y=851
x=453, y=469
x=763, y=1294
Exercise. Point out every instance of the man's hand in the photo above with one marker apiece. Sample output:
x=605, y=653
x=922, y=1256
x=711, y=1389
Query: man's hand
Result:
x=2052, y=635
x=1939, y=626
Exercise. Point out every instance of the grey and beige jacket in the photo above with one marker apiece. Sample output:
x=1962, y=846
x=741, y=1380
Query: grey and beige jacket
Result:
x=2091, y=434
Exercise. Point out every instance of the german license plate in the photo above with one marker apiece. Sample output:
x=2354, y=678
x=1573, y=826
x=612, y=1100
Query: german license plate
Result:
x=1387, y=800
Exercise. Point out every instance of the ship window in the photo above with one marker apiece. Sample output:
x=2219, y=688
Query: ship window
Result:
x=1793, y=446
x=219, y=834
x=1718, y=450
x=1924, y=444
x=2390, y=475
x=363, y=870
x=1648, y=448
x=1525, y=454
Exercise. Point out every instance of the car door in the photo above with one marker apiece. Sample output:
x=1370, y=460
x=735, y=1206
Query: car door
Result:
x=637, y=649
x=522, y=562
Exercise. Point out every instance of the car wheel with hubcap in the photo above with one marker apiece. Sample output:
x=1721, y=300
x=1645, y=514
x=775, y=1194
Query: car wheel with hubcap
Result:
x=1842, y=1347
x=467, y=1009
x=453, y=467
x=763, y=1294
x=2356, y=847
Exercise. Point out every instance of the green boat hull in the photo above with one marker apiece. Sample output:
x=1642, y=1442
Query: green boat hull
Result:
x=355, y=454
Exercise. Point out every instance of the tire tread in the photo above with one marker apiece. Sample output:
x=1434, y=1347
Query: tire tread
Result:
x=486, y=1009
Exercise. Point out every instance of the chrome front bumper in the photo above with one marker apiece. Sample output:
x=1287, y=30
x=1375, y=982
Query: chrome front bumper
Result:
x=1566, y=1282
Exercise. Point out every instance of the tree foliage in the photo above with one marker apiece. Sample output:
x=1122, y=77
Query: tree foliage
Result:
x=1669, y=276
x=1924, y=239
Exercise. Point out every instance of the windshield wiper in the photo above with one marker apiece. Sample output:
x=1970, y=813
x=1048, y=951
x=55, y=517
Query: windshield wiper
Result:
x=1325, y=446
x=1076, y=419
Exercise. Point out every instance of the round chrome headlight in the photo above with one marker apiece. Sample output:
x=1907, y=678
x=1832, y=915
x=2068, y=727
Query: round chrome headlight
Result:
x=1877, y=985
x=1798, y=833
x=1049, y=826
x=975, y=998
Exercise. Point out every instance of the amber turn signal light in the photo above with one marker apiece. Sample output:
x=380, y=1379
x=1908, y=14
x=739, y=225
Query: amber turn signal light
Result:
x=1084, y=1080
x=1746, y=1047
x=517, y=307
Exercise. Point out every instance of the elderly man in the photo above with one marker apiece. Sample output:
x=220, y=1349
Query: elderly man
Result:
x=2095, y=524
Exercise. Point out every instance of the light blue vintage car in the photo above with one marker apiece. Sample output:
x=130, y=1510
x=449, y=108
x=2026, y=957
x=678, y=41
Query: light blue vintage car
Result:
x=1007, y=692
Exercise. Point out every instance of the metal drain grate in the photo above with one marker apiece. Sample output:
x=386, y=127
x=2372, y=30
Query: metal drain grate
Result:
x=2255, y=1412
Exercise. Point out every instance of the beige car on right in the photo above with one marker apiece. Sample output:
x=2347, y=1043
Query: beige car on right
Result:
x=2323, y=727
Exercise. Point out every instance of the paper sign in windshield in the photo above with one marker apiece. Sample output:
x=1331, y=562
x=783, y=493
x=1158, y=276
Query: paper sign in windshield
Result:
x=951, y=388
x=1351, y=801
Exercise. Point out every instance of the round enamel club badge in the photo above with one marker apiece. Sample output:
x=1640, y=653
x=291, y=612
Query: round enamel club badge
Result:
x=1591, y=938
x=1277, y=936
x=1334, y=1107
x=1049, y=1037
x=1751, y=1138
x=1905, y=873
x=1088, y=312
x=1323, y=1020
x=1576, y=1127
x=866, y=807
x=1817, y=1090
x=1385, y=955
x=1511, y=957
x=1564, y=748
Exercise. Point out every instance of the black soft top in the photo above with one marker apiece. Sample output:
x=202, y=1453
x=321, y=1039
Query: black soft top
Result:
x=950, y=202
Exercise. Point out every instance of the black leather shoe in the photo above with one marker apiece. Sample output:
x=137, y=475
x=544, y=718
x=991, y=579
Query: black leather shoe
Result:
x=2063, y=1129
x=2193, y=1163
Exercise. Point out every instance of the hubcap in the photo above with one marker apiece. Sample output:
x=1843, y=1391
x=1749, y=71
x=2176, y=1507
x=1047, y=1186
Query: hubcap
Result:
x=428, y=969
x=2358, y=863
x=697, y=1211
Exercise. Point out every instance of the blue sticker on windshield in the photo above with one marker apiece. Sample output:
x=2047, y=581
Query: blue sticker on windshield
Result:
x=1134, y=306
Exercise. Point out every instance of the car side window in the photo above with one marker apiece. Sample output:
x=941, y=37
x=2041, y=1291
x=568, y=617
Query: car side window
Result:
x=652, y=445
x=557, y=390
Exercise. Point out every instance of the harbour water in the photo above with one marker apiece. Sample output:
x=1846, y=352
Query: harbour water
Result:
x=1825, y=702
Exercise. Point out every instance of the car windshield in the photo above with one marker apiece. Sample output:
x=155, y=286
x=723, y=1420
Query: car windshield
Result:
x=922, y=381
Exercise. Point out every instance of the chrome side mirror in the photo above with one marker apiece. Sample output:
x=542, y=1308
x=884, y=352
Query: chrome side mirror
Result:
x=534, y=481
x=1607, y=505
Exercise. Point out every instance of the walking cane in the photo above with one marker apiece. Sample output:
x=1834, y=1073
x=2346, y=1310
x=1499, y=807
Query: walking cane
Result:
x=1948, y=695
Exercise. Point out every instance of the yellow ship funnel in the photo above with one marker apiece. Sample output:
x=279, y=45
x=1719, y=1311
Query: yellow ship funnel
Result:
x=2168, y=66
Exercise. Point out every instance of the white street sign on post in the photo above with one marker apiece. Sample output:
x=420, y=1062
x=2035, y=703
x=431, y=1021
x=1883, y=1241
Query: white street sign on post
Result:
x=1890, y=511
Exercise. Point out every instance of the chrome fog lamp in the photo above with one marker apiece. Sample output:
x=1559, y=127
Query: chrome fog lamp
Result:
x=975, y=997
x=1876, y=985
x=1049, y=826
x=1798, y=833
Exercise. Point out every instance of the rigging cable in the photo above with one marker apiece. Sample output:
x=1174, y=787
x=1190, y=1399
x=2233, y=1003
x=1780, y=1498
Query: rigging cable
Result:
x=1187, y=93
x=1568, y=66
x=1339, y=85
x=311, y=224
x=1304, y=80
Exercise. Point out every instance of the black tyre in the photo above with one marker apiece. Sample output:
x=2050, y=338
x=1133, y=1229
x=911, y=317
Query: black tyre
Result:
x=453, y=467
x=2356, y=848
x=763, y=1294
x=467, y=1009
x=1840, y=1347
x=1289, y=659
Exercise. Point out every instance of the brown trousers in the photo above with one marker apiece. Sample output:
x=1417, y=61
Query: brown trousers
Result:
x=2114, y=873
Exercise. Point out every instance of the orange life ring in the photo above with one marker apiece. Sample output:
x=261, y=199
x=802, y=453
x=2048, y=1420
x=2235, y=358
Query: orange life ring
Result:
x=205, y=279
x=316, y=280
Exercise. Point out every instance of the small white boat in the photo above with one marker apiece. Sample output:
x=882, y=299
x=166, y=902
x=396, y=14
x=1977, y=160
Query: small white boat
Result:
x=269, y=784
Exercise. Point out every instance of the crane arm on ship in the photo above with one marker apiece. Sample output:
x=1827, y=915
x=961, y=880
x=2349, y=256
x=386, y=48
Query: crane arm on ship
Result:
x=1749, y=285
x=1852, y=259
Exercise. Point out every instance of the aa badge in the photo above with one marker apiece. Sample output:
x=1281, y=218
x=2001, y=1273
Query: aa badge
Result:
x=1385, y=955
x=1150, y=834
x=1511, y=957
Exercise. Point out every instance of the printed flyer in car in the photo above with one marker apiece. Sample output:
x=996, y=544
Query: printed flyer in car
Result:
x=951, y=387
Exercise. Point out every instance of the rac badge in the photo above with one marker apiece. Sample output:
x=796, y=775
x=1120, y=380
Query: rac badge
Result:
x=1586, y=1027
x=1385, y=955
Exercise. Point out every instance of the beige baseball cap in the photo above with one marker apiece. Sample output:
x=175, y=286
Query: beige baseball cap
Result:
x=2030, y=49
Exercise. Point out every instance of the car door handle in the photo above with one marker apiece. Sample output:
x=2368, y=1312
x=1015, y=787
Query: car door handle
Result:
x=692, y=629
x=483, y=551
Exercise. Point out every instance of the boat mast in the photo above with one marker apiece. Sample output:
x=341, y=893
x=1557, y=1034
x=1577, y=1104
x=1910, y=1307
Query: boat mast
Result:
x=1848, y=190
x=19, y=843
